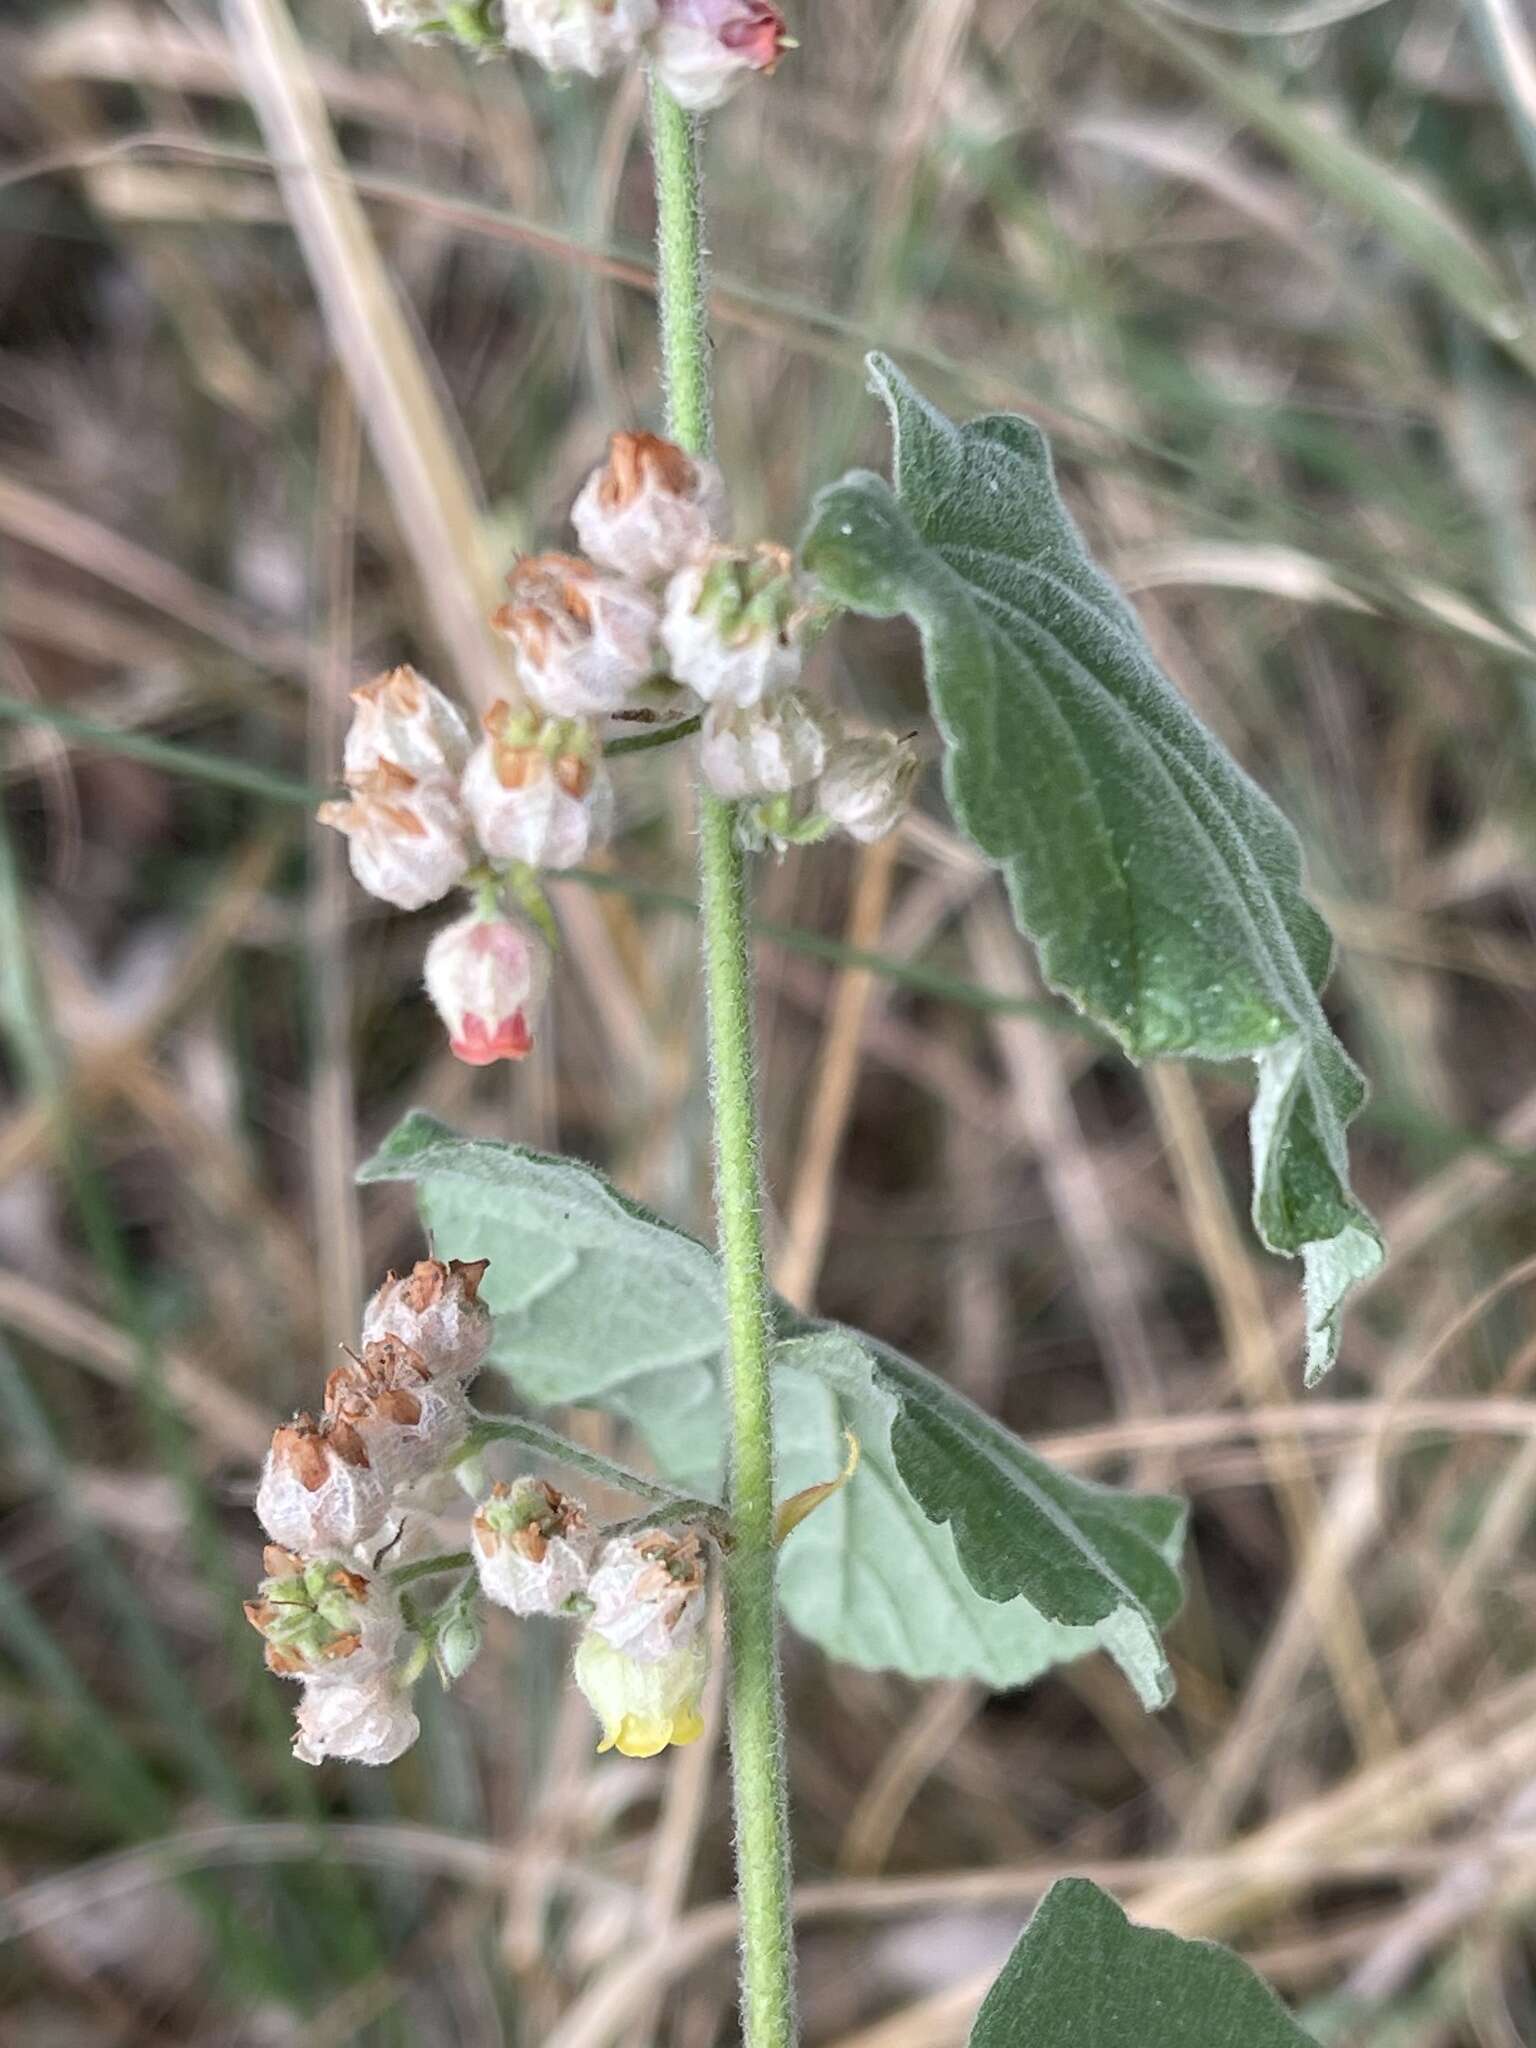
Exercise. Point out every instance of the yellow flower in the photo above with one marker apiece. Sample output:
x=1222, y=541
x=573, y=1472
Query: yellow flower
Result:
x=643, y=1707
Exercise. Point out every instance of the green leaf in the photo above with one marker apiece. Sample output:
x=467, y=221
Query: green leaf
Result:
x=954, y=1551
x=596, y=1301
x=1160, y=884
x=1084, y=1976
x=549, y=1447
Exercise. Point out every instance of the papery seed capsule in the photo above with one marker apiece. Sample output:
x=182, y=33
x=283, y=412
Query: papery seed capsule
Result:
x=486, y=977
x=649, y=508
x=324, y=1621
x=408, y=842
x=531, y=1544
x=703, y=49
x=762, y=749
x=582, y=640
x=435, y=1309
x=867, y=784
x=647, y=1593
x=319, y=1492
x=411, y=1419
x=402, y=719
x=372, y=1723
x=642, y=1707
x=730, y=626
x=537, y=790
x=591, y=36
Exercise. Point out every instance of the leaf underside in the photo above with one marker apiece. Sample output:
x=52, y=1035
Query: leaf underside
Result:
x=1161, y=886
x=954, y=1551
x=1084, y=1976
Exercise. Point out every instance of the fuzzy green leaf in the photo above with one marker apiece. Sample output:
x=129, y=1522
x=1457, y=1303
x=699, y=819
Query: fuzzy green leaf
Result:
x=1161, y=886
x=1084, y=1976
x=596, y=1301
x=954, y=1551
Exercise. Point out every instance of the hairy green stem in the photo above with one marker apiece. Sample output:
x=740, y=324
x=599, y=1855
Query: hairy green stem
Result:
x=756, y=1714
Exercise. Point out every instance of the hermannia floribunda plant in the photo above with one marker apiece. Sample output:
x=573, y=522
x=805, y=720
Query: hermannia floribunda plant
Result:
x=1164, y=895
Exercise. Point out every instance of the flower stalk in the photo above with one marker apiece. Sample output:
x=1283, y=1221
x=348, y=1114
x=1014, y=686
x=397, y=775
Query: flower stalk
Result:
x=753, y=1685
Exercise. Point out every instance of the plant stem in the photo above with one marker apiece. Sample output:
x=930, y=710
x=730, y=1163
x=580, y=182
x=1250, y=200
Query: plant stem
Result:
x=753, y=1688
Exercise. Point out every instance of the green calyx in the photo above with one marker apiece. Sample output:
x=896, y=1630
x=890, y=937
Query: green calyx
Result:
x=306, y=1615
x=748, y=593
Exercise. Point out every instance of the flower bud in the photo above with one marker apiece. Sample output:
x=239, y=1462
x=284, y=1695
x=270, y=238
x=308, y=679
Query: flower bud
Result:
x=486, y=977
x=762, y=749
x=582, y=640
x=402, y=719
x=643, y=1706
x=435, y=1309
x=411, y=1420
x=371, y=1723
x=703, y=49
x=319, y=1492
x=730, y=626
x=531, y=1546
x=647, y=1593
x=537, y=789
x=459, y=1643
x=322, y=1621
x=593, y=36
x=867, y=784
x=407, y=840
x=649, y=508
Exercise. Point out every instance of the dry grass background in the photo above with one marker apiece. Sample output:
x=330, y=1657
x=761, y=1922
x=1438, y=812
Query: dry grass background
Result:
x=1270, y=292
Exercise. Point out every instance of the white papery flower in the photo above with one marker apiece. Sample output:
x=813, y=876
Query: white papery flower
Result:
x=319, y=1492
x=649, y=508
x=401, y=718
x=730, y=624
x=762, y=749
x=531, y=1544
x=647, y=1593
x=537, y=791
x=487, y=976
x=410, y=1419
x=408, y=841
x=436, y=1309
x=370, y=1723
x=582, y=640
x=867, y=784
x=323, y=1620
x=591, y=36
x=703, y=49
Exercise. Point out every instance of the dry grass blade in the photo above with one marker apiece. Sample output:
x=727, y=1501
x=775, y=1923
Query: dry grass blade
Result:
x=402, y=412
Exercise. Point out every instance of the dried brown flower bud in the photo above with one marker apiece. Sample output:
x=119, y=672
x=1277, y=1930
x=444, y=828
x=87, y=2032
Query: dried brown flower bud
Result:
x=435, y=1309
x=319, y=1490
x=649, y=508
x=410, y=1419
x=582, y=640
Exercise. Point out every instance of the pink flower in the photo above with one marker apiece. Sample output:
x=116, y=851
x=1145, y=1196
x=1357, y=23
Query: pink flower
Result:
x=702, y=49
x=487, y=976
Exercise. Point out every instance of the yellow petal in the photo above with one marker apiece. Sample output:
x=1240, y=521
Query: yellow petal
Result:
x=688, y=1727
x=639, y=1737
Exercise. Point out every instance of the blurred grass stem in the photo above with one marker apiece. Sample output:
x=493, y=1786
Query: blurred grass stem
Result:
x=753, y=1682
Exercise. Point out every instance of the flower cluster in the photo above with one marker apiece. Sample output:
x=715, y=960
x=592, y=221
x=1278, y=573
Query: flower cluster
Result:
x=658, y=609
x=334, y=1498
x=700, y=49
x=642, y=1658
